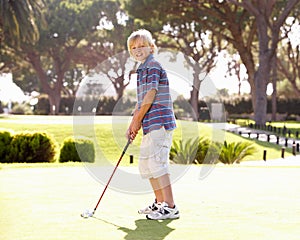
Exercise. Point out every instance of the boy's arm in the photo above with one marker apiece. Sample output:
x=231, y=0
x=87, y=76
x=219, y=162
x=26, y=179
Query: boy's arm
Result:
x=129, y=135
x=146, y=104
x=139, y=115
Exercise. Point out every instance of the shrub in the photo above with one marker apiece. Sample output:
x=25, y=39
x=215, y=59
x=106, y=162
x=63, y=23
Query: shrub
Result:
x=77, y=150
x=32, y=147
x=43, y=106
x=184, y=152
x=198, y=151
x=203, y=149
x=5, y=140
x=235, y=152
x=21, y=109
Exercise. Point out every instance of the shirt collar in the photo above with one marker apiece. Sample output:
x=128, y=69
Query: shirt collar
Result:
x=148, y=59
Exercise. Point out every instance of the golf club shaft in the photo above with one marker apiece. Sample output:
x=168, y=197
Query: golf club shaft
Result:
x=124, y=150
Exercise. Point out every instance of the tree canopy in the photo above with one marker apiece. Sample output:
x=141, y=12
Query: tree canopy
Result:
x=49, y=45
x=251, y=27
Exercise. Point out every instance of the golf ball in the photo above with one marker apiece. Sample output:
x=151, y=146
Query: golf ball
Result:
x=85, y=214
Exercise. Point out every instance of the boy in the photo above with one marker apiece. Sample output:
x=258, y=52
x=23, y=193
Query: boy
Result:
x=154, y=114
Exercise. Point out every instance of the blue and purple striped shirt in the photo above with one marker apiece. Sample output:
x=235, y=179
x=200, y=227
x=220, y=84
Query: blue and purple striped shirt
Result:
x=151, y=75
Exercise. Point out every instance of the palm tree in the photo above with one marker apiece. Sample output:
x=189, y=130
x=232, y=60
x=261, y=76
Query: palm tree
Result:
x=184, y=152
x=18, y=20
x=235, y=152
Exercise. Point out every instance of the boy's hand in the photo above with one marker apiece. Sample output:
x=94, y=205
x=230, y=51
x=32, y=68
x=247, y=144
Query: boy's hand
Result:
x=130, y=136
x=135, y=126
x=133, y=129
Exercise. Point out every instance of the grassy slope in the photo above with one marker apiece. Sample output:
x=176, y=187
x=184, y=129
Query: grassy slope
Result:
x=110, y=137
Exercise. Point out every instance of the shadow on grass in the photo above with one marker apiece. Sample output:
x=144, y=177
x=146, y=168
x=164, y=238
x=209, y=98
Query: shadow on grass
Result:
x=145, y=229
x=148, y=229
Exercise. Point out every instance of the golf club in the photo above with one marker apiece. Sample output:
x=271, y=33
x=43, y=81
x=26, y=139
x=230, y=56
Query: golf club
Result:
x=87, y=213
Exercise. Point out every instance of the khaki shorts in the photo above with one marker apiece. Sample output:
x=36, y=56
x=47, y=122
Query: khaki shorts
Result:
x=154, y=153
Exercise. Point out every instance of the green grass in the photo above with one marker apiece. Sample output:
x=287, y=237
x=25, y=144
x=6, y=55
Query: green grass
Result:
x=44, y=201
x=293, y=126
x=111, y=137
x=232, y=202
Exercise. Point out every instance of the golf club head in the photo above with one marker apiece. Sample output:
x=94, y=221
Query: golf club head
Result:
x=87, y=214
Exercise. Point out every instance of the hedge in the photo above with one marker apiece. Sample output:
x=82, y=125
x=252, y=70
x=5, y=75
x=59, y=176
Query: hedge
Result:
x=32, y=147
x=5, y=140
x=77, y=150
x=244, y=105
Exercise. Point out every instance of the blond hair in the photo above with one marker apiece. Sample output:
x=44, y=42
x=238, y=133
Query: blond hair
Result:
x=143, y=34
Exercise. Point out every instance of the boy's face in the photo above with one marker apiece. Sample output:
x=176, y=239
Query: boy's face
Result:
x=140, y=50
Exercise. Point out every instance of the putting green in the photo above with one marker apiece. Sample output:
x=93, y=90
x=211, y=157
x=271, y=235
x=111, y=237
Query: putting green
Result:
x=231, y=202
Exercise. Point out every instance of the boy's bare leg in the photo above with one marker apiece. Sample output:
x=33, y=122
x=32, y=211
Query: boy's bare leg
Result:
x=157, y=190
x=163, y=189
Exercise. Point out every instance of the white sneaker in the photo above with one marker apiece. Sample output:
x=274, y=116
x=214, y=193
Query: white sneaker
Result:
x=164, y=212
x=151, y=208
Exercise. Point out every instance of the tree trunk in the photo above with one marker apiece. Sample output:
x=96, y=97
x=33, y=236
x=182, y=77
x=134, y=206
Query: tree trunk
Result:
x=54, y=93
x=54, y=101
x=274, y=83
x=262, y=75
x=119, y=86
x=195, y=92
x=194, y=103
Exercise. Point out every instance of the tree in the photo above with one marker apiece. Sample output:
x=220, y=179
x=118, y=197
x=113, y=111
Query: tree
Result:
x=79, y=35
x=198, y=55
x=269, y=17
x=18, y=22
x=69, y=25
x=288, y=61
x=234, y=66
x=252, y=28
x=117, y=65
x=175, y=30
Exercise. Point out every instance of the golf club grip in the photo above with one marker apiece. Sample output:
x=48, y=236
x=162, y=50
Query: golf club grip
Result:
x=125, y=148
x=124, y=151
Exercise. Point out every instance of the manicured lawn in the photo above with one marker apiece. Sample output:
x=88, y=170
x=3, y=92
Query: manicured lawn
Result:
x=293, y=126
x=109, y=133
x=44, y=201
x=232, y=202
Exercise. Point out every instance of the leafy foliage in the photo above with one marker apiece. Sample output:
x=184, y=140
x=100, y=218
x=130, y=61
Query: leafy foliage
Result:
x=203, y=151
x=77, y=150
x=235, y=152
x=5, y=139
x=18, y=21
x=184, y=152
x=207, y=152
x=32, y=147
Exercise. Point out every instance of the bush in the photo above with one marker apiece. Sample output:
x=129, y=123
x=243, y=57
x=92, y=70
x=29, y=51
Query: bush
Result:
x=21, y=109
x=32, y=147
x=5, y=140
x=201, y=150
x=235, y=152
x=190, y=151
x=77, y=150
x=184, y=152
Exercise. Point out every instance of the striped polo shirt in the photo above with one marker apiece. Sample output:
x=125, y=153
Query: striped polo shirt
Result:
x=151, y=75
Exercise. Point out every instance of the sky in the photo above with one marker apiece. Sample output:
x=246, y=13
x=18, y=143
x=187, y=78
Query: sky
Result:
x=9, y=91
x=179, y=85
